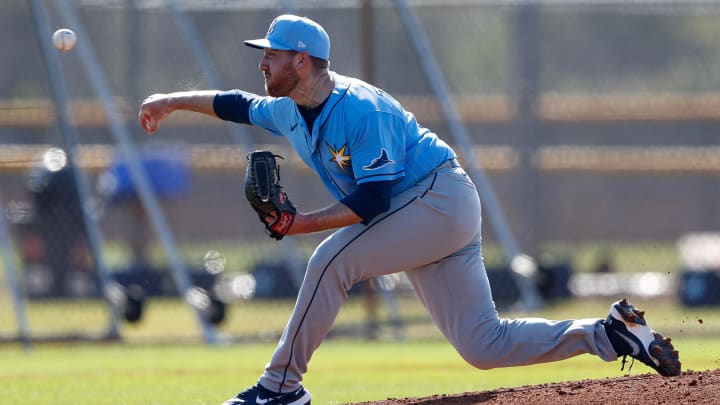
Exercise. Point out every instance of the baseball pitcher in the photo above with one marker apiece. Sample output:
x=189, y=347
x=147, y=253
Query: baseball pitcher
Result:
x=404, y=203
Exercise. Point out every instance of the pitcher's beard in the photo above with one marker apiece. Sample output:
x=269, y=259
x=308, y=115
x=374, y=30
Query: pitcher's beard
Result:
x=283, y=83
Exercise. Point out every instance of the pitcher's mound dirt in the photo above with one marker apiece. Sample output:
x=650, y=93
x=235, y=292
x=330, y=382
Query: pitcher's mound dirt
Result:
x=692, y=387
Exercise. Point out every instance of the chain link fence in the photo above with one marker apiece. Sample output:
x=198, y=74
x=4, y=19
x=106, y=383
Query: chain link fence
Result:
x=596, y=122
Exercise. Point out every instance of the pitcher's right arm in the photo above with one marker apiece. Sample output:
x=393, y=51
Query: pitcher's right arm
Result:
x=157, y=107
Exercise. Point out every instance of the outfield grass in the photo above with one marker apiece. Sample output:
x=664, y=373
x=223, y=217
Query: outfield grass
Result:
x=161, y=360
x=147, y=369
x=340, y=372
x=172, y=321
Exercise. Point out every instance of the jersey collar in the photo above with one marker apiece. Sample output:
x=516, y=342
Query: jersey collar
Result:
x=342, y=84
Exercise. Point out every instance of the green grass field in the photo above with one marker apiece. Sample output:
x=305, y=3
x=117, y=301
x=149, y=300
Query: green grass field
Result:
x=146, y=370
x=341, y=372
x=162, y=360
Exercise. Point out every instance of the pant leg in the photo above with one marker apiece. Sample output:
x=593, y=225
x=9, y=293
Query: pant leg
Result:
x=421, y=227
x=431, y=232
x=457, y=294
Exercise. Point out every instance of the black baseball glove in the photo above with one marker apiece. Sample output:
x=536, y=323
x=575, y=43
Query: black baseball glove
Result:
x=264, y=192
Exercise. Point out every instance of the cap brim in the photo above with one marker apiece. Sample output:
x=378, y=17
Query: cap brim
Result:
x=264, y=43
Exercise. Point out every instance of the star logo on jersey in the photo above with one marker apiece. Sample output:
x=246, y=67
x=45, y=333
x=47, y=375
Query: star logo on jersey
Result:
x=339, y=156
x=380, y=161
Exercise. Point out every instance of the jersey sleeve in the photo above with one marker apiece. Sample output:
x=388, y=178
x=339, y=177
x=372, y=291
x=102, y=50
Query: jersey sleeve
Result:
x=248, y=108
x=377, y=144
x=234, y=105
x=267, y=112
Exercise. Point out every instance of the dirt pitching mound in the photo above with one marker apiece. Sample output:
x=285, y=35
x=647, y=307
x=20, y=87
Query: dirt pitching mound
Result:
x=692, y=387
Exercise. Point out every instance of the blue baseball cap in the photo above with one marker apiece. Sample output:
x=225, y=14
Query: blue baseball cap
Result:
x=292, y=33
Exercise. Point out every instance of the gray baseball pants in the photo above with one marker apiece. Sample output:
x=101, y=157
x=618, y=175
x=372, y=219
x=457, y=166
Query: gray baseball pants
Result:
x=432, y=233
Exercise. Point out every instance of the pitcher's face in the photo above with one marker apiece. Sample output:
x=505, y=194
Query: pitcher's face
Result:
x=278, y=69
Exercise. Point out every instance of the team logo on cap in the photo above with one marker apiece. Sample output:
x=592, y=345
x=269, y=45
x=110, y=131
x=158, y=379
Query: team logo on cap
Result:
x=271, y=28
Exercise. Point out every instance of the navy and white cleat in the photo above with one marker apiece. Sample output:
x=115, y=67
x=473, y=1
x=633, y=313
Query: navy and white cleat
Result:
x=631, y=336
x=259, y=395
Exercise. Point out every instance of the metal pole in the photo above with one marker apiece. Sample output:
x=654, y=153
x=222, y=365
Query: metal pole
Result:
x=137, y=172
x=367, y=40
x=192, y=37
x=67, y=131
x=367, y=60
x=12, y=280
x=527, y=77
x=521, y=265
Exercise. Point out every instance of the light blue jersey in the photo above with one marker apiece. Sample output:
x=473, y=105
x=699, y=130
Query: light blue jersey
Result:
x=362, y=134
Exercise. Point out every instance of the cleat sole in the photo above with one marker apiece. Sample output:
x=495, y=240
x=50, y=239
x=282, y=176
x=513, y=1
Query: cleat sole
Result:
x=667, y=356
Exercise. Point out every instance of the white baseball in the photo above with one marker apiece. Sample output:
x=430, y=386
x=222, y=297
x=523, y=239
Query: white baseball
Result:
x=64, y=39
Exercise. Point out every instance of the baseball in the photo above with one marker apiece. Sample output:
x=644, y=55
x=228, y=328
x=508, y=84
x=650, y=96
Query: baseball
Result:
x=214, y=262
x=64, y=39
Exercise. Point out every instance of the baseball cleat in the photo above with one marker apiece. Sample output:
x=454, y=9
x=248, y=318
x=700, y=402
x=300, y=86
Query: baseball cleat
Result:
x=631, y=336
x=259, y=395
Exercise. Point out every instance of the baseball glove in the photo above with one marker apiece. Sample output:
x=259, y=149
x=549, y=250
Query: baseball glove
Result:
x=264, y=192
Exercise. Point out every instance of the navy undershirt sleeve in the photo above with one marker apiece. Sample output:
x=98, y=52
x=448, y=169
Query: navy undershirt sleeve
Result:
x=234, y=105
x=370, y=199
